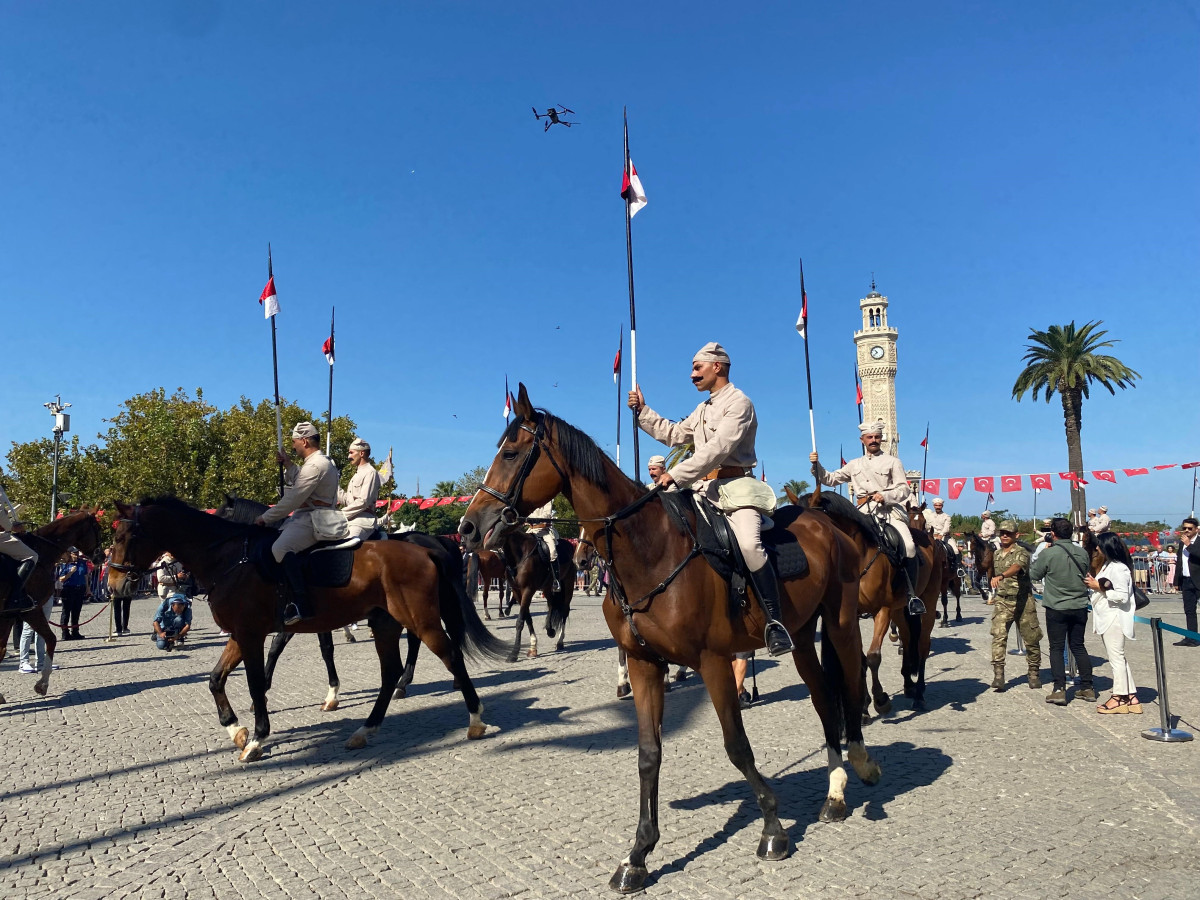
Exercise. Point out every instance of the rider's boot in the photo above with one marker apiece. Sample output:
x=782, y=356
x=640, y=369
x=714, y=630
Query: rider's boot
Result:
x=916, y=607
x=18, y=600
x=766, y=586
x=298, y=609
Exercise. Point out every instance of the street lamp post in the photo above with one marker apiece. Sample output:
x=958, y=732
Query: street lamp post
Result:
x=62, y=424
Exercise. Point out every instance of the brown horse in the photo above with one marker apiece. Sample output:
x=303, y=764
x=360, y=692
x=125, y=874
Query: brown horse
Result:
x=665, y=603
x=51, y=543
x=984, y=555
x=951, y=582
x=485, y=567
x=393, y=584
x=528, y=571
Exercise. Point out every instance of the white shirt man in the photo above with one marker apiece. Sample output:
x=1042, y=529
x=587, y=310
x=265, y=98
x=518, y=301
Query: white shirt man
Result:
x=359, y=498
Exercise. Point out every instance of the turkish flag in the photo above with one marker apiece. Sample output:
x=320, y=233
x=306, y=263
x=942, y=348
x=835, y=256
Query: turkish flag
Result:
x=1191, y=465
x=395, y=505
x=1041, y=482
x=930, y=485
x=1171, y=466
x=1073, y=478
x=446, y=501
x=465, y=499
x=1132, y=472
x=379, y=503
x=431, y=501
x=1010, y=482
x=1154, y=539
x=955, y=486
x=1105, y=475
x=984, y=484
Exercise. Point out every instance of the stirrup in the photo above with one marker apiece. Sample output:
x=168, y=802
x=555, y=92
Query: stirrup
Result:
x=291, y=614
x=777, y=639
x=916, y=606
x=555, y=586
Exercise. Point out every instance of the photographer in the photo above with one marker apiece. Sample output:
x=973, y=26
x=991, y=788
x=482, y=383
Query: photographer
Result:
x=172, y=622
x=1062, y=567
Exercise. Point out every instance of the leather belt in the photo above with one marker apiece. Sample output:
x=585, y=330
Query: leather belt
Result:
x=314, y=504
x=727, y=472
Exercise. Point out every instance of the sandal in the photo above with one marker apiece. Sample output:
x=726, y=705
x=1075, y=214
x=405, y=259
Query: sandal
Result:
x=1132, y=705
x=1113, y=706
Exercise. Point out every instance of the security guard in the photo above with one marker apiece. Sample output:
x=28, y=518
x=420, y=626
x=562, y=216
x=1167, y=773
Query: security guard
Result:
x=881, y=480
x=359, y=498
x=14, y=548
x=722, y=429
x=544, y=531
x=310, y=487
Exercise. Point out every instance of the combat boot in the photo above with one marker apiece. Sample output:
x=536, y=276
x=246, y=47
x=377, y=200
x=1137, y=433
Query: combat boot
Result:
x=1035, y=678
x=916, y=606
x=19, y=601
x=298, y=609
x=998, y=684
x=766, y=586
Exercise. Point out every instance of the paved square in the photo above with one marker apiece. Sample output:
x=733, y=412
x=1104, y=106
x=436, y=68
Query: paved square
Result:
x=127, y=786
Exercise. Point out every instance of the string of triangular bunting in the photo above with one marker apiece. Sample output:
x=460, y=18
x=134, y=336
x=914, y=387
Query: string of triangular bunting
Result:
x=986, y=484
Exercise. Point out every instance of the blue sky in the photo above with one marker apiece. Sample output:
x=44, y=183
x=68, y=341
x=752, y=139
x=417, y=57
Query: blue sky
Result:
x=996, y=166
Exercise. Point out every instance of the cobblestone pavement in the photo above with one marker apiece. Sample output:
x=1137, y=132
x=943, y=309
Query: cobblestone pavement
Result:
x=128, y=787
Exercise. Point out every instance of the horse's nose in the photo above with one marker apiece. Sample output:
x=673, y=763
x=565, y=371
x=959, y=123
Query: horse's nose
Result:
x=466, y=527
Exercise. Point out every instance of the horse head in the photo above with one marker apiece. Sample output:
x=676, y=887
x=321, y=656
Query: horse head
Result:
x=240, y=510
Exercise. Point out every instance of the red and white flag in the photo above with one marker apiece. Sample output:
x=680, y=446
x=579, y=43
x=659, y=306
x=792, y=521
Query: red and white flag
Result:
x=984, y=484
x=1040, y=482
x=955, y=486
x=802, y=322
x=925, y=441
x=508, y=401
x=1132, y=472
x=990, y=500
x=1191, y=465
x=931, y=485
x=327, y=349
x=1105, y=475
x=269, y=300
x=1171, y=466
x=1076, y=480
x=617, y=360
x=1010, y=482
x=631, y=188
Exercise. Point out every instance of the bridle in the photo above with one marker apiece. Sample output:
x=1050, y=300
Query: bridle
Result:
x=509, y=514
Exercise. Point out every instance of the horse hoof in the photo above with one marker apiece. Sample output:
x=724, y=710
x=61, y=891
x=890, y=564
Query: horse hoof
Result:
x=512, y=657
x=240, y=739
x=252, y=752
x=833, y=810
x=2, y=700
x=487, y=615
x=681, y=675
x=774, y=846
x=475, y=732
x=871, y=773
x=919, y=704
x=958, y=618
x=329, y=706
x=558, y=648
x=666, y=685
x=866, y=718
x=40, y=689
x=628, y=879
x=623, y=690
x=532, y=654
x=357, y=741
x=400, y=694
x=883, y=706
x=945, y=623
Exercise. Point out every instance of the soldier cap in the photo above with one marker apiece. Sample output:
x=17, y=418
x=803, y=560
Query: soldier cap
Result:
x=938, y=501
x=657, y=461
x=1008, y=525
x=1091, y=512
x=360, y=444
x=304, y=430
x=875, y=427
x=711, y=352
x=985, y=514
x=1104, y=509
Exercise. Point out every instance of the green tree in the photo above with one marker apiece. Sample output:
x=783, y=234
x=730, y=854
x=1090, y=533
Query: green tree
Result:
x=1063, y=359
x=83, y=477
x=469, y=482
x=444, y=489
x=799, y=488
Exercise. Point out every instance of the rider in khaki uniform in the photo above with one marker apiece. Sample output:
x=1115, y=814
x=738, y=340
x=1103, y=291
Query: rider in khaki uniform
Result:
x=545, y=532
x=880, y=479
x=14, y=548
x=722, y=429
x=310, y=487
x=1014, y=602
x=655, y=467
x=937, y=523
x=359, y=497
x=987, y=531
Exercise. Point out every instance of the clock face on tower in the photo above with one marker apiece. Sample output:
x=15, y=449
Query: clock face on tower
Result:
x=876, y=352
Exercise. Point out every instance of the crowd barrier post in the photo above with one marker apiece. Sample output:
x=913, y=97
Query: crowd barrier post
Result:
x=1164, y=732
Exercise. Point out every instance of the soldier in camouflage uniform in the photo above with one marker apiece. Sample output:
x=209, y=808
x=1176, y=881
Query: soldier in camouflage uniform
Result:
x=1014, y=602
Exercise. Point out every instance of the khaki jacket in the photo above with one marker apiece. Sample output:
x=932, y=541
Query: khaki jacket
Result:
x=361, y=493
x=313, y=485
x=938, y=523
x=8, y=512
x=722, y=428
x=871, y=474
x=987, y=530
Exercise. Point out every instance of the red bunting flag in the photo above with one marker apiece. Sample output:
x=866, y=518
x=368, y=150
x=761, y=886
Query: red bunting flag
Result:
x=857, y=389
x=1191, y=465
x=1154, y=539
x=425, y=504
x=379, y=503
x=1010, y=482
x=617, y=360
x=955, y=486
x=843, y=462
x=445, y=501
x=991, y=499
x=1171, y=466
x=465, y=499
x=1041, y=482
x=1105, y=475
x=925, y=441
x=984, y=484
x=1132, y=472
x=931, y=485
x=395, y=505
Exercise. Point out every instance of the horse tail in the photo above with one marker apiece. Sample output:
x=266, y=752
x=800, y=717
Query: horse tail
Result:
x=471, y=578
x=467, y=631
x=833, y=677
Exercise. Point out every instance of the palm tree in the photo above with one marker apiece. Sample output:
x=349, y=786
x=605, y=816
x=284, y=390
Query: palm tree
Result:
x=443, y=489
x=1063, y=358
x=799, y=488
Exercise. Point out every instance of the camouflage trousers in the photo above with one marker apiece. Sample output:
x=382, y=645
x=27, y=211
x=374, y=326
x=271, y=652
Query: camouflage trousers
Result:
x=1023, y=611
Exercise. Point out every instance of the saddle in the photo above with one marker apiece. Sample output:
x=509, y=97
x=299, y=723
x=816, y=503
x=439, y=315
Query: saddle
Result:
x=327, y=564
x=8, y=577
x=719, y=547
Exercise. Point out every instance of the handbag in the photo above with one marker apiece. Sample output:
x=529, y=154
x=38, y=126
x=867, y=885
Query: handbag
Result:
x=1140, y=599
x=748, y=492
x=329, y=524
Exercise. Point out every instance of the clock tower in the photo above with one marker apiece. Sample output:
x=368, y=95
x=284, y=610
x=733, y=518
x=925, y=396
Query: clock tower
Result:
x=876, y=354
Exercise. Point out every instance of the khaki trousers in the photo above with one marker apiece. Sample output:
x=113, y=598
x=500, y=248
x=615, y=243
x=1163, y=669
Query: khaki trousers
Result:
x=362, y=527
x=13, y=547
x=296, y=535
x=747, y=528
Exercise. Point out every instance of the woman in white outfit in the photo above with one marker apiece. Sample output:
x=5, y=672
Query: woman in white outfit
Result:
x=1112, y=619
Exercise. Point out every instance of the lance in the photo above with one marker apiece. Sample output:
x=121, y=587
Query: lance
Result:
x=858, y=397
x=329, y=411
x=633, y=382
x=275, y=369
x=802, y=328
x=1194, y=473
x=925, y=461
x=617, y=379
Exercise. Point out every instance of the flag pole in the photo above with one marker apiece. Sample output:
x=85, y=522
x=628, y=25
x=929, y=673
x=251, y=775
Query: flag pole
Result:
x=841, y=456
x=329, y=411
x=1194, y=474
x=633, y=382
x=925, y=461
x=807, y=370
x=858, y=395
x=275, y=369
x=618, y=373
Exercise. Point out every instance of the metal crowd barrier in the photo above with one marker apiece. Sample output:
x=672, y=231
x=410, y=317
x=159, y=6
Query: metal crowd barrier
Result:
x=1164, y=732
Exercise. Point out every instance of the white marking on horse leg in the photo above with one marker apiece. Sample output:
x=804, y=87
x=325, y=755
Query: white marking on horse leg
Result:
x=837, y=774
x=622, y=670
x=232, y=730
x=358, y=740
x=331, y=700
x=533, y=642
x=476, y=729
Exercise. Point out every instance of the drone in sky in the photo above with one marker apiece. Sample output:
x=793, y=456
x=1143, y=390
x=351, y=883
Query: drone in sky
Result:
x=552, y=116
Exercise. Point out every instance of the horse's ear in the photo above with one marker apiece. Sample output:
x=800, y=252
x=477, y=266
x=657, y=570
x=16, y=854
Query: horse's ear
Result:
x=125, y=511
x=524, y=407
x=791, y=495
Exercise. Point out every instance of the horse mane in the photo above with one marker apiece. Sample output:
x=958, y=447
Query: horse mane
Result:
x=579, y=451
x=836, y=505
x=241, y=510
x=173, y=504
